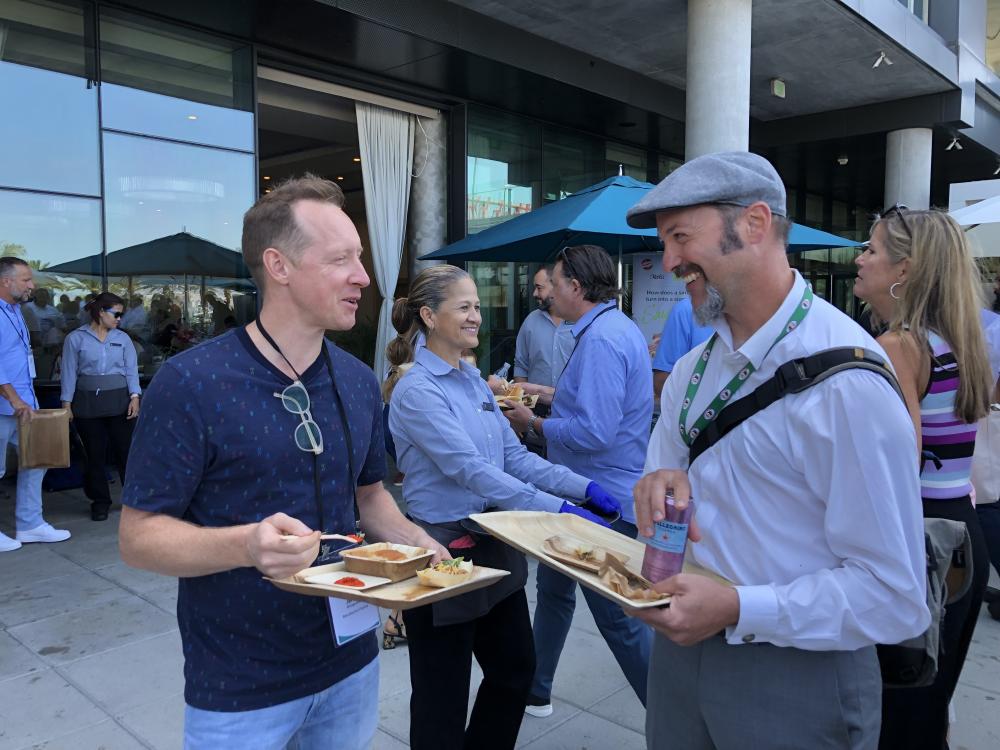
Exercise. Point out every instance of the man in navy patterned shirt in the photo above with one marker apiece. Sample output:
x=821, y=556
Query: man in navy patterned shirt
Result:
x=249, y=446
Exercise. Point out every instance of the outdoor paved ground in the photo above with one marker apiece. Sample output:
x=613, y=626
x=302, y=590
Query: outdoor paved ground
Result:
x=90, y=658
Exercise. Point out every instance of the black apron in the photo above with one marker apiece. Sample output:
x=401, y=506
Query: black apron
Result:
x=489, y=552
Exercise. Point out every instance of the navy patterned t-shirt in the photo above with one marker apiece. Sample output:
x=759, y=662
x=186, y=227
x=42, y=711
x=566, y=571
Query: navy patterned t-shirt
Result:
x=213, y=446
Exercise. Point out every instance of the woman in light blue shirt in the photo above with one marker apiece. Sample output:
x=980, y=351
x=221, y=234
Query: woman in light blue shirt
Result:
x=100, y=387
x=460, y=456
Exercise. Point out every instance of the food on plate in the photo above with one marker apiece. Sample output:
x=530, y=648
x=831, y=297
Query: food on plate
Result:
x=621, y=580
x=446, y=573
x=350, y=581
x=383, y=552
x=575, y=551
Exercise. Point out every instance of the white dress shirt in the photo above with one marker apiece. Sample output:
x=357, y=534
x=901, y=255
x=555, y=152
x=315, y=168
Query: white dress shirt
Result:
x=811, y=506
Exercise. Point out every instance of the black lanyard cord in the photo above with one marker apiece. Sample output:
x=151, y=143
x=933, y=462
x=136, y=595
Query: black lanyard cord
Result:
x=579, y=336
x=317, y=485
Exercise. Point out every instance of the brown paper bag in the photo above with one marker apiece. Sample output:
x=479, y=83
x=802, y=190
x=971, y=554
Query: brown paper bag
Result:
x=44, y=440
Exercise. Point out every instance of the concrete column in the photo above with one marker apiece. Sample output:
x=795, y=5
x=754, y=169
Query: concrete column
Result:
x=718, y=77
x=908, y=167
x=427, y=228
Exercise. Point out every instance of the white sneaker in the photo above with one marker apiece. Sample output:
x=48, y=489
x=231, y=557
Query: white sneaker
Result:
x=7, y=544
x=43, y=533
x=538, y=709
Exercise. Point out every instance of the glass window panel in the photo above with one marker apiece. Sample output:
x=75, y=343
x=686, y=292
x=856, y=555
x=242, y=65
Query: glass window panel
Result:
x=44, y=35
x=503, y=168
x=144, y=112
x=145, y=54
x=60, y=237
x=49, y=141
x=993, y=35
x=667, y=164
x=571, y=162
x=173, y=216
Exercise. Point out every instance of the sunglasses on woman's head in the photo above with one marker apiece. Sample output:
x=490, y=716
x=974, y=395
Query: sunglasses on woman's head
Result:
x=898, y=209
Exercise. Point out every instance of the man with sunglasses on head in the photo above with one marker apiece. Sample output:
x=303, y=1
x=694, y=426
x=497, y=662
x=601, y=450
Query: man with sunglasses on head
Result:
x=248, y=447
x=811, y=506
x=598, y=427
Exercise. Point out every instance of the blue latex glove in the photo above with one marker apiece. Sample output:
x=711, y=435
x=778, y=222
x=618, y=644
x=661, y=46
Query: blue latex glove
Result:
x=600, y=499
x=576, y=510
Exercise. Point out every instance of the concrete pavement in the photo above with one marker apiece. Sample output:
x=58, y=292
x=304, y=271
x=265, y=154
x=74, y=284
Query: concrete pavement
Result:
x=90, y=658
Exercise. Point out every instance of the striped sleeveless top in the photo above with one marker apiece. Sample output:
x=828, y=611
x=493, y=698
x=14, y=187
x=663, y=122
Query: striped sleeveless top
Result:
x=944, y=433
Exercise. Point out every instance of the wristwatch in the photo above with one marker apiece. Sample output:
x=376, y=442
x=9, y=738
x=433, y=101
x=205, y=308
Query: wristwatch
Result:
x=532, y=421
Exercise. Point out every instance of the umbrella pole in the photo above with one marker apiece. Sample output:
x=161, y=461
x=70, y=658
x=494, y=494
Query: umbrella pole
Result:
x=621, y=294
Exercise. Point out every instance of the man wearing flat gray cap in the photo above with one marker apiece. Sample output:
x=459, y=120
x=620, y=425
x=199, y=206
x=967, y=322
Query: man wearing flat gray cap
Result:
x=814, y=517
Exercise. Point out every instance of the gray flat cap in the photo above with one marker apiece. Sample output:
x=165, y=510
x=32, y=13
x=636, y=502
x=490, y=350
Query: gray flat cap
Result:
x=738, y=178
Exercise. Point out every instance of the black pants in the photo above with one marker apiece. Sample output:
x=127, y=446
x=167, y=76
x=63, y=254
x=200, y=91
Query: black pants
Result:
x=97, y=433
x=915, y=718
x=441, y=668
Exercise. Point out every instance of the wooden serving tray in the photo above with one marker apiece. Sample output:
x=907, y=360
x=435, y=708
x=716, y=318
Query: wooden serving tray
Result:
x=528, y=530
x=405, y=594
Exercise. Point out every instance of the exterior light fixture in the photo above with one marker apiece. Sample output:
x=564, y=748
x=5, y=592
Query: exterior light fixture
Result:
x=882, y=58
x=955, y=145
x=842, y=160
x=778, y=88
x=356, y=159
x=340, y=176
x=267, y=177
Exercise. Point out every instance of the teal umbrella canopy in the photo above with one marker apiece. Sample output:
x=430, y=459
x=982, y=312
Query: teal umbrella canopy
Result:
x=592, y=216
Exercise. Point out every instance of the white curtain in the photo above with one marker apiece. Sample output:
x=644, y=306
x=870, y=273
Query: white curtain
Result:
x=386, y=140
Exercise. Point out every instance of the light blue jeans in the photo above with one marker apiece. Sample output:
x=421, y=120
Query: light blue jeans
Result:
x=28, y=506
x=630, y=640
x=344, y=716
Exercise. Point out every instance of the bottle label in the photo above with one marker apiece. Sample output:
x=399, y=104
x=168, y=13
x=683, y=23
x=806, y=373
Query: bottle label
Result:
x=669, y=536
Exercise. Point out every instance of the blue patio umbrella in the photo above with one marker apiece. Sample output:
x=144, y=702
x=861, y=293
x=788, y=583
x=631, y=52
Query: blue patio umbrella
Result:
x=594, y=215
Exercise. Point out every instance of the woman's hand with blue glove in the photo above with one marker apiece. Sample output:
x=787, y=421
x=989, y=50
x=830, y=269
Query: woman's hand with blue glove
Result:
x=599, y=498
x=576, y=510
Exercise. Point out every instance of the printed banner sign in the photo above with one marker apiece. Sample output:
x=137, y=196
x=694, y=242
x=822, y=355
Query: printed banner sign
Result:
x=654, y=293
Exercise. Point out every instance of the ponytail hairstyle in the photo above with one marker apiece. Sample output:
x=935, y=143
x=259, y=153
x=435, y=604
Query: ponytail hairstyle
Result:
x=429, y=289
x=941, y=294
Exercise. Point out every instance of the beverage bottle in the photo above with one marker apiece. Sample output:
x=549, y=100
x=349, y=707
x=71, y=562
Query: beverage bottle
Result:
x=665, y=550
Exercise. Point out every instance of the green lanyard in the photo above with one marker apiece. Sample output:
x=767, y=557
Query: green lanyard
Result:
x=688, y=436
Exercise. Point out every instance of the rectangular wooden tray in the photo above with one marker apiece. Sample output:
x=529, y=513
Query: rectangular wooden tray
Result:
x=405, y=594
x=527, y=530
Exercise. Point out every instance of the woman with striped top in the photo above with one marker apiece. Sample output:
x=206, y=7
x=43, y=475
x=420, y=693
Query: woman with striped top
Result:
x=918, y=277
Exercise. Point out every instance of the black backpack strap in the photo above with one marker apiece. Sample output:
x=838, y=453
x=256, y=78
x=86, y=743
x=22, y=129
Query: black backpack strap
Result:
x=792, y=377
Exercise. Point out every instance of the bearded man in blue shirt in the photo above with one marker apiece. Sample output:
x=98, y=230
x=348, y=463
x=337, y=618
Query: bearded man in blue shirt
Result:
x=599, y=427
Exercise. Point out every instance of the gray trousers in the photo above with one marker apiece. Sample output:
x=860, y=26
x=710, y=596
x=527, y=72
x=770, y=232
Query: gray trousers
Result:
x=761, y=697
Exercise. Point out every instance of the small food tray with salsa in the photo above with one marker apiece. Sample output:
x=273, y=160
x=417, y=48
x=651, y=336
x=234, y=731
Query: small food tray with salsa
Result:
x=392, y=576
x=581, y=550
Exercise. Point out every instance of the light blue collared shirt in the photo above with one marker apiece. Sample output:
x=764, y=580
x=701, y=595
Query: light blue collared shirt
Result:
x=459, y=453
x=603, y=404
x=16, y=363
x=85, y=354
x=542, y=348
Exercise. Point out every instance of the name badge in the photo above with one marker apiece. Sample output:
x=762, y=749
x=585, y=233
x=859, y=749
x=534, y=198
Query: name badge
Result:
x=350, y=620
x=31, y=367
x=489, y=405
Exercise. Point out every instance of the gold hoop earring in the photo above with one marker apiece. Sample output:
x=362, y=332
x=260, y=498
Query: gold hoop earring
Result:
x=892, y=290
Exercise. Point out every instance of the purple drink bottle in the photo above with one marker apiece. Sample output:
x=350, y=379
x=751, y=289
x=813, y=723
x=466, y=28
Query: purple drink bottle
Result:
x=665, y=550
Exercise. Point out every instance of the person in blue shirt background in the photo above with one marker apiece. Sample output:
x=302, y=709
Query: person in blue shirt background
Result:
x=460, y=456
x=599, y=426
x=17, y=370
x=681, y=334
x=100, y=388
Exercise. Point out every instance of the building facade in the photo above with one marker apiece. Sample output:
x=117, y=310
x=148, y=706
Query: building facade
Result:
x=136, y=133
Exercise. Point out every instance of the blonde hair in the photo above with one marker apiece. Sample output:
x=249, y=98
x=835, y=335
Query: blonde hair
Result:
x=941, y=294
x=429, y=289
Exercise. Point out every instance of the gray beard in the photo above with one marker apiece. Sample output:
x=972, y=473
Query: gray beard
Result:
x=711, y=309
